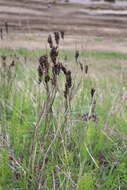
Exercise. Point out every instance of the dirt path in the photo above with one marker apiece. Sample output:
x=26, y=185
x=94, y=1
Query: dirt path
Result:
x=102, y=27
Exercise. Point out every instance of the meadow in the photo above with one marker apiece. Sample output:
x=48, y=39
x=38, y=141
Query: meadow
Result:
x=63, y=119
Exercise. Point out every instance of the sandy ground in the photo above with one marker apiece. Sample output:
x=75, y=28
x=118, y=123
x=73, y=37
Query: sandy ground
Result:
x=87, y=26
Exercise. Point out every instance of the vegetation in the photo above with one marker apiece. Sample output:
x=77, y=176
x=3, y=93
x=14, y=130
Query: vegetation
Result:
x=63, y=127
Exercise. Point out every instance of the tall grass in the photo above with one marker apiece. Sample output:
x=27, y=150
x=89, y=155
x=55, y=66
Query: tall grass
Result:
x=62, y=148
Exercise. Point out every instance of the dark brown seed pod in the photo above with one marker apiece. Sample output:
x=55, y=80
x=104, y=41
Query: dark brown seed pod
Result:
x=66, y=91
x=62, y=33
x=57, y=37
x=6, y=27
x=92, y=92
x=43, y=67
x=54, y=54
x=86, y=69
x=68, y=83
x=43, y=60
x=1, y=34
x=50, y=41
x=81, y=66
x=56, y=68
x=40, y=73
x=68, y=79
x=76, y=56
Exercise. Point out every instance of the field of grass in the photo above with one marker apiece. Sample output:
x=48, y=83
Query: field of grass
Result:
x=52, y=142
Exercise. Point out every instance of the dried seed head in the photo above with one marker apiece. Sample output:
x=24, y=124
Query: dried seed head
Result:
x=1, y=34
x=56, y=68
x=57, y=37
x=76, y=55
x=50, y=41
x=40, y=73
x=62, y=34
x=66, y=91
x=81, y=66
x=6, y=27
x=54, y=54
x=68, y=79
x=43, y=67
x=68, y=83
x=92, y=92
x=63, y=69
x=86, y=69
x=47, y=78
x=43, y=60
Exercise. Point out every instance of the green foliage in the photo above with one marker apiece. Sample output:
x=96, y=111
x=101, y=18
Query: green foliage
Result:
x=66, y=151
x=86, y=182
